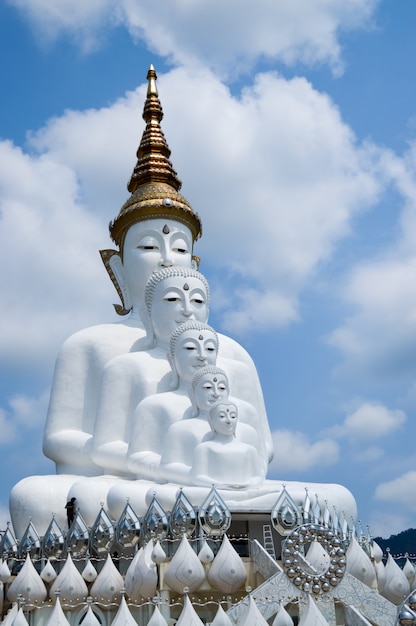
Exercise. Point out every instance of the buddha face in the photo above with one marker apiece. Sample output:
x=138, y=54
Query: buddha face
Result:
x=151, y=245
x=176, y=300
x=209, y=389
x=223, y=419
x=194, y=349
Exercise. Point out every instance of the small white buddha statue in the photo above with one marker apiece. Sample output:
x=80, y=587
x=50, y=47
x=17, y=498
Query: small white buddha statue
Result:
x=192, y=346
x=209, y=385
x=222, y=459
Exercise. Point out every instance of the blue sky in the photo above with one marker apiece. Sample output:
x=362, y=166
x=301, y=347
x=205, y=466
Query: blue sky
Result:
x=293, y=130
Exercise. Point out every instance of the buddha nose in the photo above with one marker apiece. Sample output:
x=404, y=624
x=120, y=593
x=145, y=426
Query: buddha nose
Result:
x=187, y=308
x=166, y=257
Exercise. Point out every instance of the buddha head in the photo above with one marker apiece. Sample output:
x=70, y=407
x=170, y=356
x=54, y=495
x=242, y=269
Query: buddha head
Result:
x=173, y=296
x=192, y=346
x=222, y=418
x=156, y=227
x=209, y=385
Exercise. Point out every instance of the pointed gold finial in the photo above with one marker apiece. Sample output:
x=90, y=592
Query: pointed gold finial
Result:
x=151, y=77
x=154, y=184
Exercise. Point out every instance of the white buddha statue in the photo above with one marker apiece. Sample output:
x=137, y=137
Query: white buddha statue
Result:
x=155, y=229
x=224, y=460
x=172, y=296
x=209, y=385
x=192, y=346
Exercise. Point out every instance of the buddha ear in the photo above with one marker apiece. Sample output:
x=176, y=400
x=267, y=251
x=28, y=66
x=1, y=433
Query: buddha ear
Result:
x=174, y=380
x=194, y=406
x=147, y=323
x=114, y=266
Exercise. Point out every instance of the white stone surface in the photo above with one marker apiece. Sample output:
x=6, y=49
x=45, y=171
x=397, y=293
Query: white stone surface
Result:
x=70, y=584
x=227, y=572
x=27, y=585
x=108, y=585
x=185, y=571
x=57, y=616
x=359, y=564
x=141, y=577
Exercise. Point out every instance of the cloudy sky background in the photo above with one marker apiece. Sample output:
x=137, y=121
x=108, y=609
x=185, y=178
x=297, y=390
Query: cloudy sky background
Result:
x=293, y=129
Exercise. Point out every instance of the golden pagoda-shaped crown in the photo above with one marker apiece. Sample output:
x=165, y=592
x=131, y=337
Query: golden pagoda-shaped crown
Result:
x=154, y=184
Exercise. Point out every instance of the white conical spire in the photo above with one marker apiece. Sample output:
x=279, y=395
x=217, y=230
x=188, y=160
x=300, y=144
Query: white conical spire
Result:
x=158, y=554
x=311, y=616
x=205, y=555
x=221, y=618
x=48, y=573
x=108, y=585
x=20, y=619
x=57, y=616
x=123, y=616
x=90, y=619
x=185, y=569
x=188, y=617
x=89, y=573
x=157, y=618
x=396, y=587
x=282, y=618
x=360, y=565
x=253, y=617
x=27, y=584
x=69, y=583
x=141, y=577
x=227, y=572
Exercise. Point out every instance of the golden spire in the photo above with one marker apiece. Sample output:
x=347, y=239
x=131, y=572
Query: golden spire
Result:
x=154, y=184
x=153, y=152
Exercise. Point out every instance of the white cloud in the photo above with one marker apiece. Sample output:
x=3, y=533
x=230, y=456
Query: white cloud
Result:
x=378, y=338
x=276, y=176
x=28, y=411
x=384, y=523
x=23, y=413
x=399, y=491
x=207, y=32
x=369, y=421
x=293, y=451
x=7, y=428
x=48, y=257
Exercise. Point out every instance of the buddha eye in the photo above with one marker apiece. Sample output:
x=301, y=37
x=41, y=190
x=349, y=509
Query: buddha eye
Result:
x=172, y=297
x=222, y=387
x=197, y=300
x=148, y=243
x=180, y=246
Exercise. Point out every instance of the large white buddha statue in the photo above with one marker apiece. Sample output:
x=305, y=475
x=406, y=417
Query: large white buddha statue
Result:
x=155, y=228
